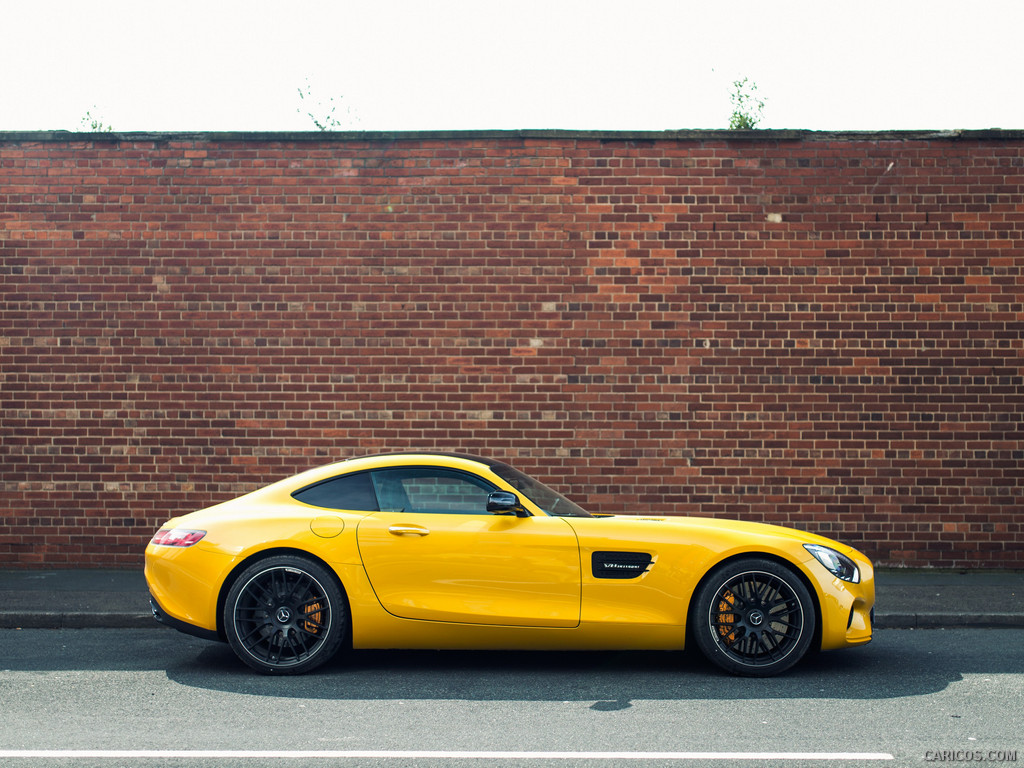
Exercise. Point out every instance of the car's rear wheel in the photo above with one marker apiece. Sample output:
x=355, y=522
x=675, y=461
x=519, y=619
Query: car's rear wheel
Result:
x=753, y=617
x=285, y=615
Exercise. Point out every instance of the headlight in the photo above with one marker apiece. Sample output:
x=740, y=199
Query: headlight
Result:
x=838, y=564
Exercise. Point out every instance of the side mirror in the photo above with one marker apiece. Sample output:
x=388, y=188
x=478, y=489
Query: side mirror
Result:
x=501, y=502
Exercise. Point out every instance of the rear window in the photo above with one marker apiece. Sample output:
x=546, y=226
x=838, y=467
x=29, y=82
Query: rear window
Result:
x=345, y=492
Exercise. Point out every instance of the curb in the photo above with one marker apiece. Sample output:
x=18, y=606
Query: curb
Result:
x=44, y=620
x=948, y=620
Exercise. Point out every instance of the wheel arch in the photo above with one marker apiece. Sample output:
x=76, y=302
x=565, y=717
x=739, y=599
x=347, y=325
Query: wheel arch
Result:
x=787, y=564
x=265, y=554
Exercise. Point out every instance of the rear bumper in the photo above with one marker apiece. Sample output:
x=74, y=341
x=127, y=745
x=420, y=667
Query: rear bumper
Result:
x=189, y=629
x=184, y=583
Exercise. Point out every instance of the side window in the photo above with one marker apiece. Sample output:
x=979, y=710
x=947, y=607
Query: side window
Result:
x=431, y=490
x=344, y=492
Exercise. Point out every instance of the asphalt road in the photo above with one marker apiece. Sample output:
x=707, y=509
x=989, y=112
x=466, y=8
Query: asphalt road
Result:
x=144, y=697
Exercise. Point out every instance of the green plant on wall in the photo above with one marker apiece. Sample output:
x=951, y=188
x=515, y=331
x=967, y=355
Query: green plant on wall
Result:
x=747, y=106
x=94, y=124
x=322, y=114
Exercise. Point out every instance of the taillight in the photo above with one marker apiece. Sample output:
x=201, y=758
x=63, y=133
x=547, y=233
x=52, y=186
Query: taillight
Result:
x=176, y=537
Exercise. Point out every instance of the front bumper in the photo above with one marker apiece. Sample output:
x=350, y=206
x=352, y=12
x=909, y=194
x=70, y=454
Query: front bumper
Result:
x=847, y=610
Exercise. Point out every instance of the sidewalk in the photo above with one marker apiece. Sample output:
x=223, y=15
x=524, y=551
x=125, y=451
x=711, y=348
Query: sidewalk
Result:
x=56, y=599
x=59, y=599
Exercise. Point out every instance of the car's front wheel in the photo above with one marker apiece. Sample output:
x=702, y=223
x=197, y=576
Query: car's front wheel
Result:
x=285, y=615
x=753, y=617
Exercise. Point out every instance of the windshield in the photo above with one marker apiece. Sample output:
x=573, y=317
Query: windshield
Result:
x=550, y=501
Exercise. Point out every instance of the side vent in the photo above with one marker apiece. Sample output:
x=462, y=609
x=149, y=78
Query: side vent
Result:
x=619, y=565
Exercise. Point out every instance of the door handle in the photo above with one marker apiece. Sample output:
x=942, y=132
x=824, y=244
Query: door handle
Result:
x=408, y=530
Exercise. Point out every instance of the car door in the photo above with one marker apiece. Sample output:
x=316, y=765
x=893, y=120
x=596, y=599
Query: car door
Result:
x=433, y=552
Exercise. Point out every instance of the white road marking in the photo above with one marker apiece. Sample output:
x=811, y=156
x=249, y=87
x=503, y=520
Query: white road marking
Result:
x=131, y=754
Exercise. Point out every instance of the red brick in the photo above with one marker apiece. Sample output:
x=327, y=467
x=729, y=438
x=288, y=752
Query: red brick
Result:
x=182, y=321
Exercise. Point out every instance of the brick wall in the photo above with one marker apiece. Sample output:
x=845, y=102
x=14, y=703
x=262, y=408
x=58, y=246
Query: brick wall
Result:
x=824, y=331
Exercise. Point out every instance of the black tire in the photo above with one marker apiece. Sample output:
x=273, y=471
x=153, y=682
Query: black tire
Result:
x=285, y=615
x=753, y=617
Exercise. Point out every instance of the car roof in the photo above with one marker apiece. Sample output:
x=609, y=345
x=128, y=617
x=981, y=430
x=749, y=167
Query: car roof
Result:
x=380, y=460
x=434, y=454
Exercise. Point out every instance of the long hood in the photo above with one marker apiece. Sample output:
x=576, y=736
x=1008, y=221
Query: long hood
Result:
x=703, y=529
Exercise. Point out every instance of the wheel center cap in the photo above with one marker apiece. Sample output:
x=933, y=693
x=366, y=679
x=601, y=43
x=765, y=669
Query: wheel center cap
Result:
x=284, y=615
x=756, y=618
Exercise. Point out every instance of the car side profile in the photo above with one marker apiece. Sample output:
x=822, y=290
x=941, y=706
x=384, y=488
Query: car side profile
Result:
x=444, y=551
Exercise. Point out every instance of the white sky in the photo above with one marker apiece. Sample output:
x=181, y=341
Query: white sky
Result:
x=465, y=64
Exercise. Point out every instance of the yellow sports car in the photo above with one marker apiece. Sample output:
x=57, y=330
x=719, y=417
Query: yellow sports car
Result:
x=447, y=551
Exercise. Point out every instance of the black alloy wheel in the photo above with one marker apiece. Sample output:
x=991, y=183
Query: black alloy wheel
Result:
x=753, y=617
x=285, y=615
